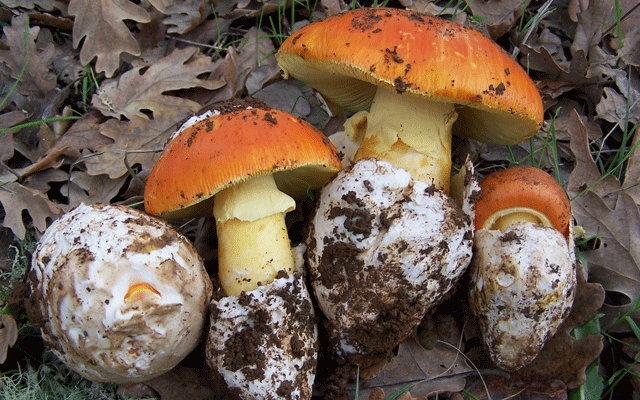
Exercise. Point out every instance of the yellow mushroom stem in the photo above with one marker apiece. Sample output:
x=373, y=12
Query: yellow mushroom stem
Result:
x=409, y=132
x=502, y=219
x=253, y=242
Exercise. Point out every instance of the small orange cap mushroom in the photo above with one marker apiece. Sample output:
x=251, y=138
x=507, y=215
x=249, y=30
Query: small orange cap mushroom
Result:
x=139, y=291
x=523, y=188
x=237, y=142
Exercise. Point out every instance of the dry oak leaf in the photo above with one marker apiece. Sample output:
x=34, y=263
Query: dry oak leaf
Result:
x=546, y=53
x=37, y=78
x=576, y=7
x=161, y=5
x=83, y=134
x=629, y=52
x=30, y=4
x=614, y=107
x=607, y=208
x=439, y=370
x=90, y=189
x=185, y=15
x=239, y=63
x=499, y=16
x=588, y=33
x=8, y=335
x=15, y=198
x=140, y=92
x=135, y=142
x=234, y=9
x=378, y=394
x=7, y=120
x=184, y=383
x=106, y=36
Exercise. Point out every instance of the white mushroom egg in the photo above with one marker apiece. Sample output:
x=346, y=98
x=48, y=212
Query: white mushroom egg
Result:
x=121, y=295
x=522, y=288
x=383, y=249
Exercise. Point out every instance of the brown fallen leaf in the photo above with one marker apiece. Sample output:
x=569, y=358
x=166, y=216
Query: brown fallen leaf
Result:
x=37, y=78
x=609, y=209
x=439, y=370
x=185, y=15
x=83, y=134
x=234, y=9
x=185, y=383
x=589, y=28
x=495, y=387
x=30, y=4
x=449, y=11
x=143, y=91
x=617, y=108
x=499, y=16
x=49, y=160
x=6, y=139
x=630, y=43
x=16, y=198
x=630, y=346
x=239, y=63
x=546, y=52
x=90, y=189
x=101, y=24
x=136, y=142
x=576, y=7
x=8, y=335
x=379, y=394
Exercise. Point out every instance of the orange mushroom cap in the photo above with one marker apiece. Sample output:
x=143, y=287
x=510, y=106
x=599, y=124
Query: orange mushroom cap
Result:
x=345, y=57
x=236, y=144
x=139, y=291
x=526, y=187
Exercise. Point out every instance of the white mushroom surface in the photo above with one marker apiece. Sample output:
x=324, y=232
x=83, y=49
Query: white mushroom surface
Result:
x=263, y=343
x=522, y=288
x=121, y=295
x=383, y=249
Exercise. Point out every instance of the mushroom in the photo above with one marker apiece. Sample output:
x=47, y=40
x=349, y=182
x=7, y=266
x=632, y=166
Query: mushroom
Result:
x=412, y=81
x=383, y=249
x=522, y=276
x=254, y=160
x=120, y=295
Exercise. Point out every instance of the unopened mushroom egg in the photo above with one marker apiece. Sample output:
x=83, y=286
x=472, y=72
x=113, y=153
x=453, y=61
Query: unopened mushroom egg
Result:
x=523, y=286
x=120, y=296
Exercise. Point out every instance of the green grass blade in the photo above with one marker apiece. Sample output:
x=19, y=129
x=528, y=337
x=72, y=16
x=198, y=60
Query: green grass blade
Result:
x=593, y=387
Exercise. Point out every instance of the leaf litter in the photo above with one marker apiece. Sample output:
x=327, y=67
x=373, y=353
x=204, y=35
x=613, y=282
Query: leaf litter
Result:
x=92, y=92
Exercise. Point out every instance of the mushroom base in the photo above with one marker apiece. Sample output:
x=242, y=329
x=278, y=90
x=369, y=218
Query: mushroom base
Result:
x=263, y=343
x=522, y=286
x=383, y=249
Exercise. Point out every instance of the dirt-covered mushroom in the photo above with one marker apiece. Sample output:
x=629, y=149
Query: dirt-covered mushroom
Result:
x=120, y=295
x=383, y=249
x=254, y=161
x=412, y=81
x=522, y=276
